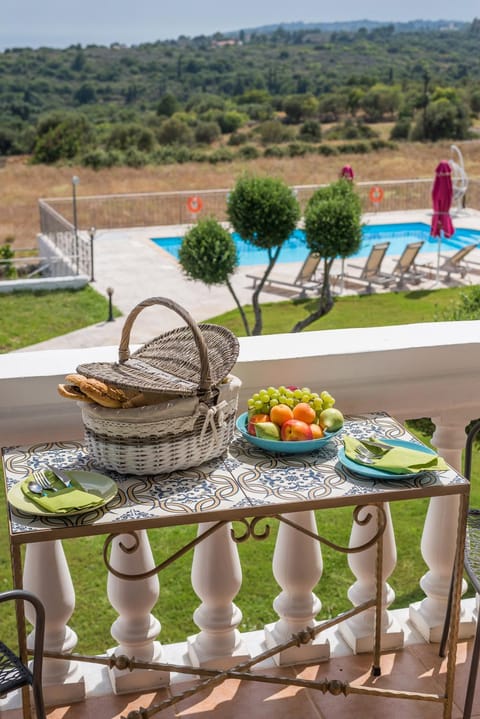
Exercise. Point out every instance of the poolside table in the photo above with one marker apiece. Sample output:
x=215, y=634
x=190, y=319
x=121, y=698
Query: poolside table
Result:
x=244, y=485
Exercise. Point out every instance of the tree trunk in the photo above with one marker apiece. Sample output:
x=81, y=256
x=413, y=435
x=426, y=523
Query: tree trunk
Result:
x=325, y=301
x=257, y=310
x=240, y=308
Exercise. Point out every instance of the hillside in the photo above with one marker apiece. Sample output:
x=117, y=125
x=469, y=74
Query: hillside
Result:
x=183, y=100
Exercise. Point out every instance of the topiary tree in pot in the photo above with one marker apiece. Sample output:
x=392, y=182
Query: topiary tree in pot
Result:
x=264, y=211
x=333, y=229
x=208, y=253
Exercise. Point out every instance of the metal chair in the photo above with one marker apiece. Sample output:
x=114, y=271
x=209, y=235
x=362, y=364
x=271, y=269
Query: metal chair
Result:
x=13, y=672
x=472, y=569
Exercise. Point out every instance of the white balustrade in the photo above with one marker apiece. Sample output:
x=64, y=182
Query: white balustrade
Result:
x=216, y=579
x=297, y=567
x=136, y=629
x=409, y=371
x=439, y=538
x=359, y=631
x=46, y=574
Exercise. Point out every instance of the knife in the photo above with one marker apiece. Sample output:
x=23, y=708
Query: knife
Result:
x=61, y=475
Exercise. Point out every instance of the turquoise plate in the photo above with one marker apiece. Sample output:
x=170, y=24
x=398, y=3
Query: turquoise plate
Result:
x=372, y=473
x=272, y=445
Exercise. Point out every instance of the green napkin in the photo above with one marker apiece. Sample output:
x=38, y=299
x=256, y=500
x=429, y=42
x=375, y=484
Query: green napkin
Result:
x=64, y=500
x=398, y=460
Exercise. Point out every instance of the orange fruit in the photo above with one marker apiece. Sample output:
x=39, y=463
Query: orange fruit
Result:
x=280, y=413
x=317, y=431
x=304, y=412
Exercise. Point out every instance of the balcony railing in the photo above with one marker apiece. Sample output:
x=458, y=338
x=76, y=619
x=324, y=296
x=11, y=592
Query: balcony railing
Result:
x=426, y=370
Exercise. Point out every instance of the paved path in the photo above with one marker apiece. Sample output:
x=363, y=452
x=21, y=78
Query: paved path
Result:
x=130, y=263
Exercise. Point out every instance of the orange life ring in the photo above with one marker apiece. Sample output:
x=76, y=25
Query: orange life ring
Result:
x=194, y=204
x=376, y=194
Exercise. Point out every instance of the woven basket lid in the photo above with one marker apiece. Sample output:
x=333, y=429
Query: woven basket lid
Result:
x=186, y=361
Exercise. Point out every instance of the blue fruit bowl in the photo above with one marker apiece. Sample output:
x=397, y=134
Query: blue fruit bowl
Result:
x=272, y=445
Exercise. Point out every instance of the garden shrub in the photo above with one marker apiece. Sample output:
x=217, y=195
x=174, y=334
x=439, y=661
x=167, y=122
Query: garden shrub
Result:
x=359, y=148
x=273, y=131
x=298, y=149
x=327, y=150
x=222, y=154
x=238, y=138
x=310, y=131
x=248, y=152
x=207, y=132
x=275, y=151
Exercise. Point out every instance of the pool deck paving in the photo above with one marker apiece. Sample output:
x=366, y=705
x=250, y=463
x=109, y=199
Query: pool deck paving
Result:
x=128, y=262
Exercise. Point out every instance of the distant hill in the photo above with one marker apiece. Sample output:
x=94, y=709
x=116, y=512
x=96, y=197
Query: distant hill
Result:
x=352, y=26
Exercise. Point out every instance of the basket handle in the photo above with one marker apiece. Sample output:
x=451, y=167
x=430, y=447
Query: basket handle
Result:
x=124, y=347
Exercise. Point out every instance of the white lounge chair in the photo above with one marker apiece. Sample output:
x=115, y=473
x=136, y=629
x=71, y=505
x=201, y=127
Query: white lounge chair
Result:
x=371, y=272
x=452, y=264
x=405, y=268
x=455, y=263
x=304, y=280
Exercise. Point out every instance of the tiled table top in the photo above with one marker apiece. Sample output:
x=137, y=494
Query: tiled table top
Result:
x=244, y=482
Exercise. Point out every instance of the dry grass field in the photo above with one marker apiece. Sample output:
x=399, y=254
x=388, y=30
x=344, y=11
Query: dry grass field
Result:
x=23, y=184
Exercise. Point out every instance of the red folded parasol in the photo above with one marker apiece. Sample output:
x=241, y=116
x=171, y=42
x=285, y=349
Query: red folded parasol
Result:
x=347, y=172
x=442, y=195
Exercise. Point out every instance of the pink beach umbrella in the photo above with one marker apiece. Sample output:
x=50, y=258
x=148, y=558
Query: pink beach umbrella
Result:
x=442, y=195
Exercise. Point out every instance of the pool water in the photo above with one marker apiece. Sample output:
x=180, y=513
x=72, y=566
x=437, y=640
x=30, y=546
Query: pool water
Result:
x=296, y=250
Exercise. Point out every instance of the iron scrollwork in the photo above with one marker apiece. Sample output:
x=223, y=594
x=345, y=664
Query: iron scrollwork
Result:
x=381, y=525
x=251, y=531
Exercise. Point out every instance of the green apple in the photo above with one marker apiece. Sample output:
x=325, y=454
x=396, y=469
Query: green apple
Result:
x=331, y=419
x=267, y=430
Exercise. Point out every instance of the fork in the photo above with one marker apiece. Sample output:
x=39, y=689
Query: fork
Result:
x=365, y=456
x=43, y=481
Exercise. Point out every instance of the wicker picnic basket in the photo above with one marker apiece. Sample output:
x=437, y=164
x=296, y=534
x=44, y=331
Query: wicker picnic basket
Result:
x=188, y=365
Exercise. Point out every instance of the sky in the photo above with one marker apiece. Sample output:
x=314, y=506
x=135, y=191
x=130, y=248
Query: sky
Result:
x=56, y=23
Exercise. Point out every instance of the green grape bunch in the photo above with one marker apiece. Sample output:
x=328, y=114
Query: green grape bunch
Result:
x=262, y=401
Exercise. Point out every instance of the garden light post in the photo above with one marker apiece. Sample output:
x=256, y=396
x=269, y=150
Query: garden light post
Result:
x=110, y=306
x=75, y=181
x=92, y=237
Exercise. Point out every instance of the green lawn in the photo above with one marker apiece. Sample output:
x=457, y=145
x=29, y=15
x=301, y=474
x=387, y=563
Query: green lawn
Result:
x=375, y=310
x=94, y=615
x=31, y=317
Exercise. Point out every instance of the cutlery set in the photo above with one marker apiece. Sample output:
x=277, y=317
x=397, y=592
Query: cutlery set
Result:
x=368, y=451
x=41, y=482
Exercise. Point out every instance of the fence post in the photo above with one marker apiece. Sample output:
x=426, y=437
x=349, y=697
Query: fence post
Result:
x=92, y=237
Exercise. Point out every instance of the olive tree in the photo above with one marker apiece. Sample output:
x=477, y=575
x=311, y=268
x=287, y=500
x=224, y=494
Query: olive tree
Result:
x=333, y=229
x=208, y=253
x=264, y=211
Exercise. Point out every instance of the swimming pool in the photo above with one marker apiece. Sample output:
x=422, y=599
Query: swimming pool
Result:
x=295, y=249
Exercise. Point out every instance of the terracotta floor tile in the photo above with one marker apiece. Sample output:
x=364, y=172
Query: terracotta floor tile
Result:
x=110, y=707
x=402, y=671
x=238, y=700
x=416, y=668
x=463, y=658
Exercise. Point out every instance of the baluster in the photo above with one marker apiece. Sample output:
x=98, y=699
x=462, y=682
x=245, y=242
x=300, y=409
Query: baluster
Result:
x=216, y=579
x=297, y=567
x=359, y=631
x=46, y=574
x=439, y=540
x=135, y=628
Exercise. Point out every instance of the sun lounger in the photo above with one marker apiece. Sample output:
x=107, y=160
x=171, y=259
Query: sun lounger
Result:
x=370, y=272
x=304, y=280
x=405, y=268
x=453, y=263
